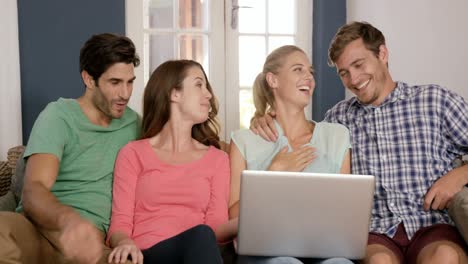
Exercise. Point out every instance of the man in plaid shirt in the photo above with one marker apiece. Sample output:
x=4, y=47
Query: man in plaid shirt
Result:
x=408, y=137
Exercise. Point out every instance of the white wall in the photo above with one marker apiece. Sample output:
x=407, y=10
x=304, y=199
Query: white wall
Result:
x=427, y=39
x=10, y=87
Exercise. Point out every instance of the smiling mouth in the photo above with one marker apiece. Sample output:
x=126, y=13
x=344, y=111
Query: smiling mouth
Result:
x=304, y=88
x=364, y=84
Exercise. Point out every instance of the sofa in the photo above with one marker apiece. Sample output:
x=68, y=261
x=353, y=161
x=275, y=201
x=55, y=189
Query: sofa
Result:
x=11, y=178
x=11, y=182
x=12, y=175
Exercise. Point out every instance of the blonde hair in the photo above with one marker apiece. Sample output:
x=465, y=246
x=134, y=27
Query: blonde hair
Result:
x=262, y=92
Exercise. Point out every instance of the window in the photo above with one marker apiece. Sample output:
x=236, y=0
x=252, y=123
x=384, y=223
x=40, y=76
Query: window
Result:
x=231, y=47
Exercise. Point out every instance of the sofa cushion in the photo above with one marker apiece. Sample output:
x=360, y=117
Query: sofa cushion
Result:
x=18, y=178
x=8, y=202
x=5, y=177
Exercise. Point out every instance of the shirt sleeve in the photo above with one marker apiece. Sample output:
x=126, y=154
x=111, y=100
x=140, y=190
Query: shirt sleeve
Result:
x=456, y=122
x=339, y=142
x=49, y=134
x=337, y=114
x=239, y=141
x=244, y=139
x=345, y=145
x=217, y=212
x=328, y=117
x=126, y=173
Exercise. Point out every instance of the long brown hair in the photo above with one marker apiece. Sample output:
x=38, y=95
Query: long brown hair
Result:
x=157, y=100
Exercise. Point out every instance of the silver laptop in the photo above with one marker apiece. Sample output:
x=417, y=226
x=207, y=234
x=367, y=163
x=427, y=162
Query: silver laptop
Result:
x=301, y=214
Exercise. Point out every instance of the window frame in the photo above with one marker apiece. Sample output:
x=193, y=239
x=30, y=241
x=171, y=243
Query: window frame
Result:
x=223, y=55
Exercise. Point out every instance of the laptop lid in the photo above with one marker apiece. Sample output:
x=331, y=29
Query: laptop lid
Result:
x=304, y=214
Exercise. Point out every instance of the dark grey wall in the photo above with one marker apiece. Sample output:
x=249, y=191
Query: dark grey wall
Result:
x=328, y=16
x=51, y=33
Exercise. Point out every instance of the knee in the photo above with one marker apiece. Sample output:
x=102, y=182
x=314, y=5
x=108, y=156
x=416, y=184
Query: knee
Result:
x=203, y=232
x=337, y=261
x=380, y=258
x=443, y=254
x=203, y=229
x=6, y=217
x=9, y=222
x=267, y=260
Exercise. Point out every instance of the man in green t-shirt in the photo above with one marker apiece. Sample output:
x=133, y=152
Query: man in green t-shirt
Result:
x=67, y=195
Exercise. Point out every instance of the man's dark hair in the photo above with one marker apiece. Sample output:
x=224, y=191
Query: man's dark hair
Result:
x=370, y=35
x=104, y=50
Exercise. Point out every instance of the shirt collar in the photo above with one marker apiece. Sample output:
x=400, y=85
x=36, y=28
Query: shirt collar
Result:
x=397, y=94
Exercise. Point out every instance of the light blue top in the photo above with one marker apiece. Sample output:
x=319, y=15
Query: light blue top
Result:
x=330, y=140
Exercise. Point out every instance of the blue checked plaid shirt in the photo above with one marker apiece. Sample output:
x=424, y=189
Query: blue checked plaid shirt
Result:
x=408, y=142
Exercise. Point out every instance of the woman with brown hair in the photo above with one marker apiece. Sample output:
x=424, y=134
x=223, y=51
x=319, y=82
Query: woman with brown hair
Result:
x=171, y=187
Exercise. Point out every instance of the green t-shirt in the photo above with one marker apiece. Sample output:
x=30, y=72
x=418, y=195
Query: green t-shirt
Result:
x=86, y=153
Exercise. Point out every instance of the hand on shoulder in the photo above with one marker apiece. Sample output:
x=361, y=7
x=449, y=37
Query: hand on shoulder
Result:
x=264, y=126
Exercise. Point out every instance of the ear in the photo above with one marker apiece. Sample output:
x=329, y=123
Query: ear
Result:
x=383, y=53
x=175, y=95
x=88, y=80
x=272, y=80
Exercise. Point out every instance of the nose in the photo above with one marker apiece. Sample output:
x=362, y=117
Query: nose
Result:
x=208, y=94
x=354, y=76
x=309, y=75
x=125, y=91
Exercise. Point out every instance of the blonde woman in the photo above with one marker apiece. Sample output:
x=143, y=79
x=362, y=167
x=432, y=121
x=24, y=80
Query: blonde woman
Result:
x=285, y=85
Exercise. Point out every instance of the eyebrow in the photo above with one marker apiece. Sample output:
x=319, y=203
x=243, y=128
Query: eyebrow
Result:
x=357, y=60
x=113, y=79
x=297, y=64
x=311, y=68
x=352, y=63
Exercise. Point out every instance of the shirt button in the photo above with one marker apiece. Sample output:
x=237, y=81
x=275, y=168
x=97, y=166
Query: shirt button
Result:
x=392, y=204
x=377, y=110
x=383, y=158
